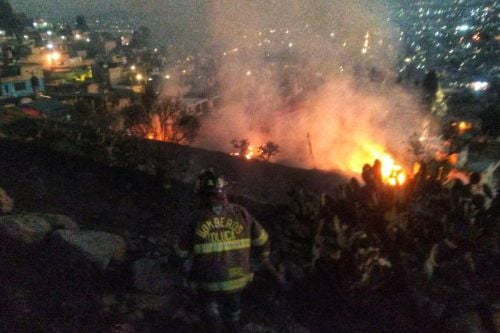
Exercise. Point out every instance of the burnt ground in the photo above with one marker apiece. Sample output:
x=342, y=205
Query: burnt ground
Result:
x=41, y=291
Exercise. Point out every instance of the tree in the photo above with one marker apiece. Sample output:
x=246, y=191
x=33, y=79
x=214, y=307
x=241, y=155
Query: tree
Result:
x=490, y=119
x=164, y=121
x=242, y=145
x=81, y=23
x=8, y=20
x=430, y=86
x=268, y=150
x=141, y=37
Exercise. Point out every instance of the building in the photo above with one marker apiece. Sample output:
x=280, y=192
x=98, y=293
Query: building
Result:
x=117, y=74
x=21, y=80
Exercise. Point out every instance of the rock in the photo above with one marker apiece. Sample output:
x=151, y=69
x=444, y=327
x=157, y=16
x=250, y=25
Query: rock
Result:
x=296, y=328
x=255, y=328
x=465, y=323
x=95, y=246
x=108, y=301
x=26, y=229
x=6, y=202
x=58, y=221
x=293, y=271
x=150, y=302
x=149, y=275
x=123, y=328
x=138, y=314
x=496, y=316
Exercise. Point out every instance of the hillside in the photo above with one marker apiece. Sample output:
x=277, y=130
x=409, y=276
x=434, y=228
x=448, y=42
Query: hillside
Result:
x=41, y=284
x=360, y=259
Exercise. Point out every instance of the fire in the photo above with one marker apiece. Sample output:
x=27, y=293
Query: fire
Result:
x=393, y=174
x=464, y=126
x=250, y=153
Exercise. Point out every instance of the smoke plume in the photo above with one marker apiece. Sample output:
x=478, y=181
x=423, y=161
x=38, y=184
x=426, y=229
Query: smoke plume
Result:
x=315, y=77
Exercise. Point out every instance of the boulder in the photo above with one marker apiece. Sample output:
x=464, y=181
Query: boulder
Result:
x=256, y=328
x=296, y=328
x=6, y=202
x=496, y=316
x=25, y=229
x=150, y=302
x=150, y=275
x=95, y=246
x=58, y=221
x=465, y=323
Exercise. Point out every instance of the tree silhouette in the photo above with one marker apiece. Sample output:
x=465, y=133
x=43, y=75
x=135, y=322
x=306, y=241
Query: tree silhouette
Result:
x=268, y=150
x=141, y=37
x=242, y=146
x=164, y=121
x=81, y=23
x=8, y=20
x=430, y=86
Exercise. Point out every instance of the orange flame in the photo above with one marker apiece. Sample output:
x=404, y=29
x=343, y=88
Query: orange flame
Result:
x=464, y=126
x=393, y=174
x=250, y=153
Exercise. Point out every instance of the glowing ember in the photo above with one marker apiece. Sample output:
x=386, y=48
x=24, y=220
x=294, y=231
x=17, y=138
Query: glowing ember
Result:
x=464, y=126
x=416, y=168
x=453, y=159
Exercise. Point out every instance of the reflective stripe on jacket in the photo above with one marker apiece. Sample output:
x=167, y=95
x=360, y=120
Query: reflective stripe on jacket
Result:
x=221, y=245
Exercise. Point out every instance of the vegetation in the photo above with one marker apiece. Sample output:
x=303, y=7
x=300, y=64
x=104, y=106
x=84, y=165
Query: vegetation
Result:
x=268, y=150
x=8, y=20
x=164, y=121
x=432, y=244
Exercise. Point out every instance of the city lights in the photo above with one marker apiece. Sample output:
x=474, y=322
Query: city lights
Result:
x=463, y=27
x=479, y=85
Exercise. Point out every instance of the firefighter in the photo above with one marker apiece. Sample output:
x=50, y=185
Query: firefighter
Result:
x=219, y=242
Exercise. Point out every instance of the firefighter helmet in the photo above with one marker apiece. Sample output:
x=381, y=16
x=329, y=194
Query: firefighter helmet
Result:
x=209, y=183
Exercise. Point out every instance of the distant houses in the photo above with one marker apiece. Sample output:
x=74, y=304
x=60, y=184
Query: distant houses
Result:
x=21, y=80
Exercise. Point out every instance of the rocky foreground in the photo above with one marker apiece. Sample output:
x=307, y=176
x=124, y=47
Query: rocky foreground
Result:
x=87, y=247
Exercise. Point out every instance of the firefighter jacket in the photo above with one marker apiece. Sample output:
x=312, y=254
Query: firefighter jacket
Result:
x=221, y=247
